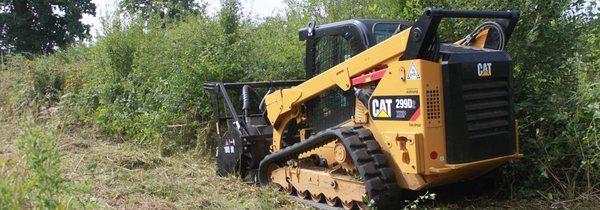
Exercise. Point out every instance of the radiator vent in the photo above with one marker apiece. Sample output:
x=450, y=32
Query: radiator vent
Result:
x=433, y=107
x=486, y=107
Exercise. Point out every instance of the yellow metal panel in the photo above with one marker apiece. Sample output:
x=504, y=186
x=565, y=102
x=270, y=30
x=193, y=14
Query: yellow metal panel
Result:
x=320, y=182
x=419, y=137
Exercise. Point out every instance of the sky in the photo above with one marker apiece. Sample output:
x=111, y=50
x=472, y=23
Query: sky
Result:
x=255, y=8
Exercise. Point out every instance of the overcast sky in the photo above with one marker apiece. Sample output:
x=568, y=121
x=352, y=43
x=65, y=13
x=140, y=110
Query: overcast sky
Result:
x=256, y=8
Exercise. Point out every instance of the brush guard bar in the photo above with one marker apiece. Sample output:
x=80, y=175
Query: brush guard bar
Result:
x=423, y=32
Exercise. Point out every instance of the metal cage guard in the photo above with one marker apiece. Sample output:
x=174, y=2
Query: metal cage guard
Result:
x=422, y=33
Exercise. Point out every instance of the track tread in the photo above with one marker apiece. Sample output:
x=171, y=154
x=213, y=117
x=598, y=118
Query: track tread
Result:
x=379, y=159
x=378, y=177
x=372, y=146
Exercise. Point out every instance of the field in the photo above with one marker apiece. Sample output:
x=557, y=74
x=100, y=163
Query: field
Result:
x=102, y=174
x=99, y=173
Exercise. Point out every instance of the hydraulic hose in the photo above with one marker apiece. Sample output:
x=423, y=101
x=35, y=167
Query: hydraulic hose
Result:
x=246, y=99
x=487, y=25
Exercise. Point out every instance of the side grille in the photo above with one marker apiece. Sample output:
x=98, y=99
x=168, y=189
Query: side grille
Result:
x=487, y=107
x=433, y=110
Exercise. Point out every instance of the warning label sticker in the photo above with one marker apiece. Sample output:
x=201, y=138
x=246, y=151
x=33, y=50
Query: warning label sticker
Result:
x=229, y=146
x=404, y=108
x=413, y=73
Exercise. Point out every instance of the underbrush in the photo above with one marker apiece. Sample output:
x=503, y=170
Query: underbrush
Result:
x=32, y=177
x=558, y=108
x=144, y=82
x=46, y=168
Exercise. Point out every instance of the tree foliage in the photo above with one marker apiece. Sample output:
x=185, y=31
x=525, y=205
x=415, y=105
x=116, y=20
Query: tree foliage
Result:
x=41, y=26
x=229, y=18
x=163, y=9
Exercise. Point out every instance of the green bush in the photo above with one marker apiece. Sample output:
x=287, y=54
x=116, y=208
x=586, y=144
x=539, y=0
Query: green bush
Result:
x=145, y=85
x=42, y=158
x=40, y=83
x=15, y=87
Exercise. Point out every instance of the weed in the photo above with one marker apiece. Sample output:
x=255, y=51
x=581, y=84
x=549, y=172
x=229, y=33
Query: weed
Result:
x=34, y=178
x=419, y=200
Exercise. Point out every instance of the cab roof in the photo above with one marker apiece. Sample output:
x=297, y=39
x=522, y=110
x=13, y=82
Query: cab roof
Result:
x=362, y=27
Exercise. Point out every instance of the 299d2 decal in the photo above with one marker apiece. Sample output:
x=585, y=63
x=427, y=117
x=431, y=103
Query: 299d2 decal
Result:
x=405, y=108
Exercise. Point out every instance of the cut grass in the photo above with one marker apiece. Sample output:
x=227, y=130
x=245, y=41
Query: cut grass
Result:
x=105, y=174
x=125, y=175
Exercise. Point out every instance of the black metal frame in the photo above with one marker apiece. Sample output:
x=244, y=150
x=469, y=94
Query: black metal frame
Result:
x=218, y=87
x=423, y=32
x=243, y=139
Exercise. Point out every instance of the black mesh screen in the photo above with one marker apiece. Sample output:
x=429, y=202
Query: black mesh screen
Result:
x=334, y=106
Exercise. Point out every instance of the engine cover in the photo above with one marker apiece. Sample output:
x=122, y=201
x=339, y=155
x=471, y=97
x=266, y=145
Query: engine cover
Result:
x=480, y=121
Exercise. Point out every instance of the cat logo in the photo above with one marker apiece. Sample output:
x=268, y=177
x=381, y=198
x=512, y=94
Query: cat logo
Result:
x=484, y=69
x=404, y=107
x=383, y=113
x=381, y=108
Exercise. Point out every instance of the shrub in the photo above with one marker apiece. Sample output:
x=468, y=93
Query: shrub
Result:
x=34, y=179
x=42, y=159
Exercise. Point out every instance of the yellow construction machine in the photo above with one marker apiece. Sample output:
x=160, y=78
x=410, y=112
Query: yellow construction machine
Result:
x=386, y=107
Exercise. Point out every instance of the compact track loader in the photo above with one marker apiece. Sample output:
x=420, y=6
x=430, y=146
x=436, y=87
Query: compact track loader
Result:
x=385, y=107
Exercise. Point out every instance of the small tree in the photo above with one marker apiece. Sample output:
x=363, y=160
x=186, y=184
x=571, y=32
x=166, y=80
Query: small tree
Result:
x=229, y=19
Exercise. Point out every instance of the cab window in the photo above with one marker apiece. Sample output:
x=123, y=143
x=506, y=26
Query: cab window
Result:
x=333, y=106
x=383, y=31
x=330, y=51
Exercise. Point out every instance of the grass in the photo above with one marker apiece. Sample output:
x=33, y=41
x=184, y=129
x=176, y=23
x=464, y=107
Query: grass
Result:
x=125, y=175
x=99, y=173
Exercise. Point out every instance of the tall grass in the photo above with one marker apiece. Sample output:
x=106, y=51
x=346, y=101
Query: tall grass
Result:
x=33, y=177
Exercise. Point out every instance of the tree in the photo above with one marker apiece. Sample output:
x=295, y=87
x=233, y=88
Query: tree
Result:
x=230, y=48
x=169, y=9
x=42, y=26
x=229, y=19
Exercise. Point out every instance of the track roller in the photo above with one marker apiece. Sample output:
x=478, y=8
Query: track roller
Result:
x=348, y=205
x=303, y=194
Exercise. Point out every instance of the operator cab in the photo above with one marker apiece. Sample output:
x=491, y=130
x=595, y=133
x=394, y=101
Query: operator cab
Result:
x=330, y=44
x=334, y=43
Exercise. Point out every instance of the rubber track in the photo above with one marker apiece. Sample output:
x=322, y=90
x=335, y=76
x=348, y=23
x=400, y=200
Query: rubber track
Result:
x=378, y=178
